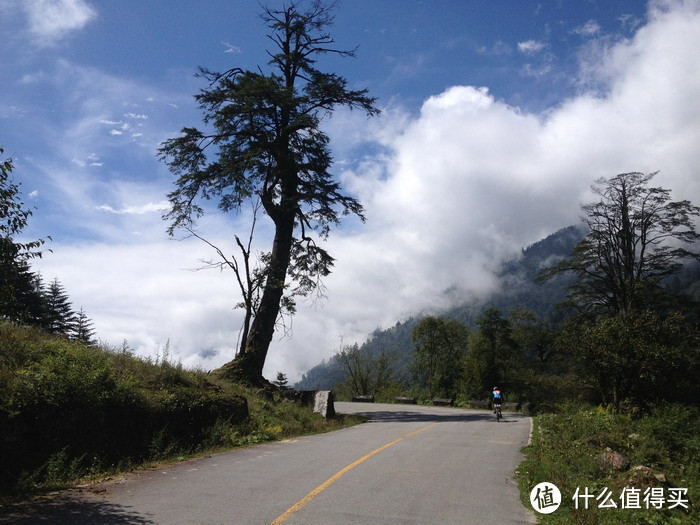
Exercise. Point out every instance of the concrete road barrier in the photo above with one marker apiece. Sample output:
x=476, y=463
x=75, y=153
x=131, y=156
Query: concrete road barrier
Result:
x=363, y=399
x=323, y=403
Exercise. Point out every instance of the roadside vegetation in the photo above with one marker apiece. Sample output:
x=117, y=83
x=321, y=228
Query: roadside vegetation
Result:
x=71, y=411
x=581, y=446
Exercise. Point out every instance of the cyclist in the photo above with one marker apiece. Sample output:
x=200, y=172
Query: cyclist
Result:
x=497, y=398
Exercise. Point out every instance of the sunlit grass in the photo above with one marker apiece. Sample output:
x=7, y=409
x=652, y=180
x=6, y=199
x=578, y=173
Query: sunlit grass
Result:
x=71, y=412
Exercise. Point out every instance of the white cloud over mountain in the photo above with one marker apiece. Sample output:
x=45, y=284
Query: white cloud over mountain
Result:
x=450, y=192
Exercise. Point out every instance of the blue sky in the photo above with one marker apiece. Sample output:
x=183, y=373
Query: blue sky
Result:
x=497, y=117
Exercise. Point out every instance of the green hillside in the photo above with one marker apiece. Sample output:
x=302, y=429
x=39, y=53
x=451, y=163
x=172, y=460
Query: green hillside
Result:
x=70, y=410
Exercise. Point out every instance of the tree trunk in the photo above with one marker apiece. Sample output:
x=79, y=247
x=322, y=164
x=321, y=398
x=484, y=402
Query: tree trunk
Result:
x=248, y=365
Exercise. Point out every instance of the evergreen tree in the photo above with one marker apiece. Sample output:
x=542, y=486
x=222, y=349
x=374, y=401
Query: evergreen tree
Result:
x=83, y=329
x=281, y=381
x=18, y=298
x=265, y=141
x=60, y=317
x=440, y=346
x=493, y=354
x=20, y=301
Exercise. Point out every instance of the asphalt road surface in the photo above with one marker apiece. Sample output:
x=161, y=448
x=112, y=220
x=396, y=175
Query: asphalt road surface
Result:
x=407, y=465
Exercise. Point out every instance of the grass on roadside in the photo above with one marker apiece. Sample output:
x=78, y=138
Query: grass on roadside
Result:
x=567, y=445
x=70, y=413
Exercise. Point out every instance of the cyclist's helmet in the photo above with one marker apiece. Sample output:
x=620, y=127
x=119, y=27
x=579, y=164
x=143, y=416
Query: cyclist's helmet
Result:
x=495, y=388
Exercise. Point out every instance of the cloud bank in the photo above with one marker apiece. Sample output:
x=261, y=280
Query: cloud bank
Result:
x=450, y=192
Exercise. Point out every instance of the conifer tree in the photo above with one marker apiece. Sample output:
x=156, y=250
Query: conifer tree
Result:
x=60, y=317
x=83, y=329
x=281, y=381
x=18, y=300
x=264, y=140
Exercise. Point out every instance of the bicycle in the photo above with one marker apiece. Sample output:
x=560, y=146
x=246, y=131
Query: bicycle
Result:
x=497, y=411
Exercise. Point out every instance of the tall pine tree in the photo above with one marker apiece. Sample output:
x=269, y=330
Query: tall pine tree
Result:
x=83, y=329
x=60, y=317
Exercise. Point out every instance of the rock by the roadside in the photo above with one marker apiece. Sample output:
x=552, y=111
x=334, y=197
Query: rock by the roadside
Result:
x=611, y=460
x=642, y=476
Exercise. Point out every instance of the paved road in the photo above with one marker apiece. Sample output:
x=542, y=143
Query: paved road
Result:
x=407, y=465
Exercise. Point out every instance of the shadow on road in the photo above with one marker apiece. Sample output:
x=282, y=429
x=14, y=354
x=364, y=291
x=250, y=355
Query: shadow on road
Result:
x=383, y=416
x=67, y=509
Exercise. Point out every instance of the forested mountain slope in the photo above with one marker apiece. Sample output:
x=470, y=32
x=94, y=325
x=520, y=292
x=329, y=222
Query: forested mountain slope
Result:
x=517, y=290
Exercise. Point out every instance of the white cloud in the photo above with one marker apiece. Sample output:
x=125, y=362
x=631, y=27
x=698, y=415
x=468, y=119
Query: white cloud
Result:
x=230, y=48
x=629, y=22
x=537, y=70
x=149, y=207
x=531, y=47
x=590, y=28
x=31, y=78
x=145, y=293
x=51, y=20
x=451, y=192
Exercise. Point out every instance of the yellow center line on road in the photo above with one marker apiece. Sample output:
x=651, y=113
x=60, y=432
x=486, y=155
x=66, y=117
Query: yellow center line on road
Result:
x=311, y=495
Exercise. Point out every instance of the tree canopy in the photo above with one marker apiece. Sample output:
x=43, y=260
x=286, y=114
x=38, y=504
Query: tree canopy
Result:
x=636, y=237
x=263, y=140
x=19, y=297
x=440, y=346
